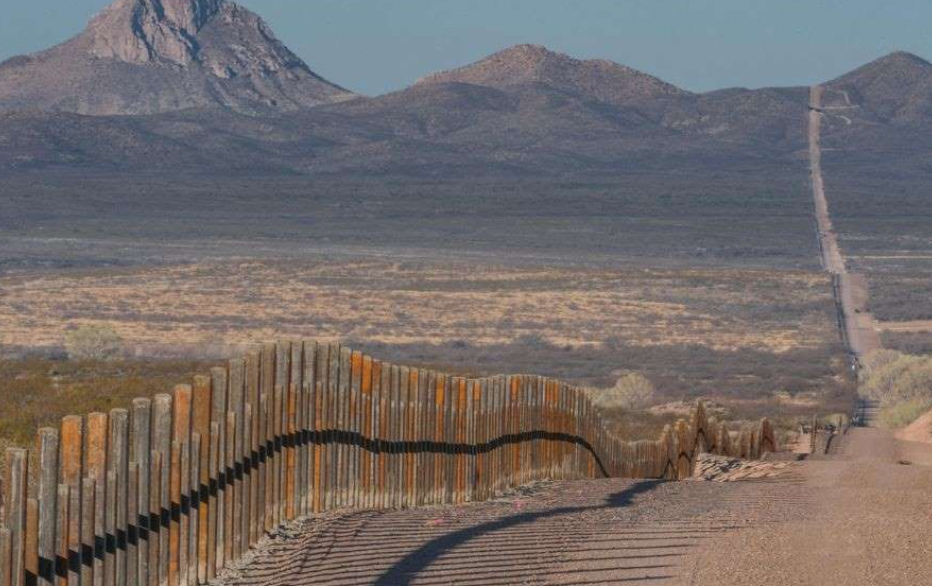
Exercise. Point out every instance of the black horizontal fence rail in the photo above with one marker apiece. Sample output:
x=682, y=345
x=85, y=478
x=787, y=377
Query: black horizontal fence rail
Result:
x=178, y=487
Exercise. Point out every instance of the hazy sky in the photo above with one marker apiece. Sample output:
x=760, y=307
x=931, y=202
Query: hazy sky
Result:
x=374, y=46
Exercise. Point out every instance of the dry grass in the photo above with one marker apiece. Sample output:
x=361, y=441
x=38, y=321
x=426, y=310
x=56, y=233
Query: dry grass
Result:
x=38, y=392
x=403, y=303
x=762, y=341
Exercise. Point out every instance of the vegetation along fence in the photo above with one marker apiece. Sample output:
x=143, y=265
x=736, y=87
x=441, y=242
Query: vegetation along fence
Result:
x=176, y=488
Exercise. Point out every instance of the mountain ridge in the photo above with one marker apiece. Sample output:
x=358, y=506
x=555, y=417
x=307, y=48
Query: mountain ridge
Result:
x=141, y=57
x=204, y=84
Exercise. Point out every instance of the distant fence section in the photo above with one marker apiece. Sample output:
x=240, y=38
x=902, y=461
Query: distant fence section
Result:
x=176, y=488
x=823, y=432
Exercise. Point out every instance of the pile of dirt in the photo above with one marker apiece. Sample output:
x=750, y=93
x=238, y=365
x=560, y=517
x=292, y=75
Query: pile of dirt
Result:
x=917, y=431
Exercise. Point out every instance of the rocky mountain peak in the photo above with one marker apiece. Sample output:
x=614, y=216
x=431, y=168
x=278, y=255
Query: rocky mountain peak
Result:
x=142, y=31
x=529, y=55
x=152, y=56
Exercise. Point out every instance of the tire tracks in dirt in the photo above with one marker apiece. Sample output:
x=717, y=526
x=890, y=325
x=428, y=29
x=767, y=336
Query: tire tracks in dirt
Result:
x=573, y=533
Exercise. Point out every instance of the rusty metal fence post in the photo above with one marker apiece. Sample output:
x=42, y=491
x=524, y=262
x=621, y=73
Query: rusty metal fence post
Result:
x=175, y=489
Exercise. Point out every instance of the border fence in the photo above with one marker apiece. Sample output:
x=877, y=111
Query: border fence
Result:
x=178, y=487
x=823, y=432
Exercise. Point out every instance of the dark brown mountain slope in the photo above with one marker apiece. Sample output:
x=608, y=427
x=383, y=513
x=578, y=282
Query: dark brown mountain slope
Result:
x=449, y=110
x=769, y=118
x=895, y=88
x=626, y=102
x=152, y=56
x=540, y=111
x=878, y=118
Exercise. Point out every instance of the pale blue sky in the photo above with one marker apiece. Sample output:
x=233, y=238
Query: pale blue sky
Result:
x=374, y=46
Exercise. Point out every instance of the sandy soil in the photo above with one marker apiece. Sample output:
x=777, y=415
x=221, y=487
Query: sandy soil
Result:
x=866, y=524
x=906, y=326
x=917, y=431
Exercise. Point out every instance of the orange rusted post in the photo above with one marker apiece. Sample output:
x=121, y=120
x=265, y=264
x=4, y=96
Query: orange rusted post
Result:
x=72, y=432
x=352, y=423
x=61, y=539
x=365, y=431
x=175, y=514
x=31, y=542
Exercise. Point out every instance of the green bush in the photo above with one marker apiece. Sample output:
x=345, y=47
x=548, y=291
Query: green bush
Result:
x=97, y=342
x=904, y=413
x=902, y=384
x=877, y=360
x=900, y=379
x=631, y=391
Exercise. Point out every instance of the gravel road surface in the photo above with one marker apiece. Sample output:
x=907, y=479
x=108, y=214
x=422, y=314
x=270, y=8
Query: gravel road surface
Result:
x=868, y=523
x=569, y=533
x=859, y=517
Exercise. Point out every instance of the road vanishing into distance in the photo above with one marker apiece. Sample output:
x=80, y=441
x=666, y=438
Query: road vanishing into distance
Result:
x=853, y=516
x=856, y=323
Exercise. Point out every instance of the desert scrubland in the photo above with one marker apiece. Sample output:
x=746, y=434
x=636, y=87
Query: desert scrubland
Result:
x=594, y=282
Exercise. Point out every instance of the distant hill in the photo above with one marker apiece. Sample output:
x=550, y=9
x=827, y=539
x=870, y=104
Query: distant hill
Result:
x=878, y=118
x=897, y=87
x=153, y=56
x=596, y=80
x=203, y=86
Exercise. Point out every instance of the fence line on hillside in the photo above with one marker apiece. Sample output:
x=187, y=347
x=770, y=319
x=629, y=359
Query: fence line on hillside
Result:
x=176, y=488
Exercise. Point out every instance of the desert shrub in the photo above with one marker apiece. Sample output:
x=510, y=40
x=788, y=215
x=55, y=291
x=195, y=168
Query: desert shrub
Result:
x=915, y=343
x=631, y=391
x=902, y=384
x=637, y=425
x=532, y=341
x=903, y=413
x=877, y=360
x=39, y=392
x=901, y=379
x=97, y=342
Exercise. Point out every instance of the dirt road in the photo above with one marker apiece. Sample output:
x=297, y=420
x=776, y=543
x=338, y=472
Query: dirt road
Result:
x=570, y=533
x=857, y=324
x=866, y=523
x=858, y=517
x=832, y=260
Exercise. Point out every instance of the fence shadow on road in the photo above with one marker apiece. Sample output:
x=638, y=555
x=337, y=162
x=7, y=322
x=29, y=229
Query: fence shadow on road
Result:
x=408, y=568
x=581, y=533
